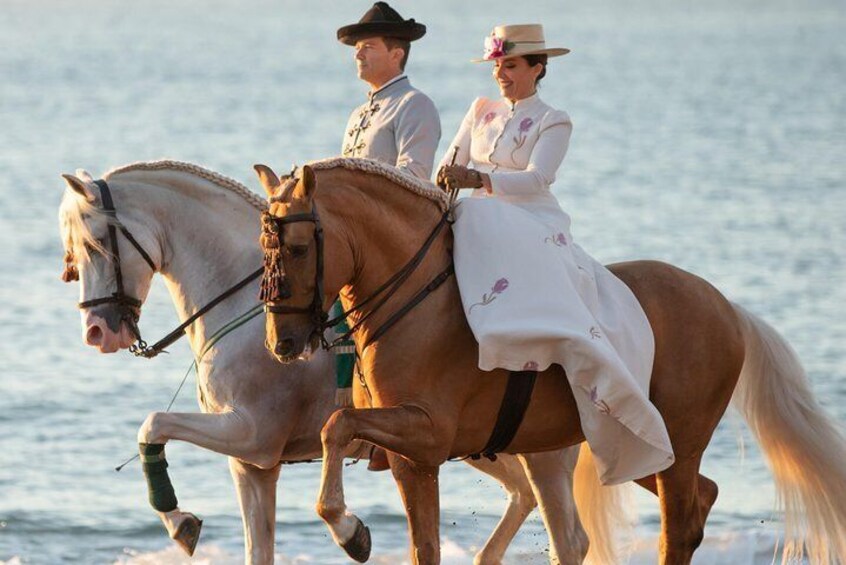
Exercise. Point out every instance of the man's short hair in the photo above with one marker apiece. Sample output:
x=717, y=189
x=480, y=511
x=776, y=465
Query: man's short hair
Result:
x=394, y=43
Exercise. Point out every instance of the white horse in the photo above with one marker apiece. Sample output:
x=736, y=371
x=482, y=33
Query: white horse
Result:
x=199, y=229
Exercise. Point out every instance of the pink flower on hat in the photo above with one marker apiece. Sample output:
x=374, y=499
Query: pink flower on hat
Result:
x=494, y=47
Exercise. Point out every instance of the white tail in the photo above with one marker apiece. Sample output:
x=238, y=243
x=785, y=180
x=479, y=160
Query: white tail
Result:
x=607, y=513
x=805, y=450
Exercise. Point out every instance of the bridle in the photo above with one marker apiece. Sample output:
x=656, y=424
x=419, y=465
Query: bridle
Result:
x=128, y=306
x=275, y=285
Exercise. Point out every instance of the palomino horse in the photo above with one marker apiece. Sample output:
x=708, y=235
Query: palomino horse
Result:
x=362, y=222
x=198, y=229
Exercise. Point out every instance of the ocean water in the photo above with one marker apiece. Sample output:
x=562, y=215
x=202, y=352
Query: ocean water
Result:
x=709, y=135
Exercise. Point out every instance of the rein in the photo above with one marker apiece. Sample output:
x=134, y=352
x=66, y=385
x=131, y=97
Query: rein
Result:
x=129, y=306
x=275, y=287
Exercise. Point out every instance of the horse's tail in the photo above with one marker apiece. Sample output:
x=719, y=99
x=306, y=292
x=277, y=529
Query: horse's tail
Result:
x=805, y=450
x=607, y=513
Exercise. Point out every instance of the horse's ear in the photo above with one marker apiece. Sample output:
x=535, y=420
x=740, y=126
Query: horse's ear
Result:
x=268, y=179
x=79, y=187
x=84, y=175
x=309, y=183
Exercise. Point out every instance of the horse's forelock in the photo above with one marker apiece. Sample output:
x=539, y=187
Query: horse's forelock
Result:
x=286, y=189
x=74, y=214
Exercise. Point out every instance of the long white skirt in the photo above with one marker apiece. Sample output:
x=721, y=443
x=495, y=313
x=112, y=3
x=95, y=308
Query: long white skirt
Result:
x=534, y=298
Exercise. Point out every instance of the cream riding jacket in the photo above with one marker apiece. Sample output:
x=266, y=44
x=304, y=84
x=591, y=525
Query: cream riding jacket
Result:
x=519, y=145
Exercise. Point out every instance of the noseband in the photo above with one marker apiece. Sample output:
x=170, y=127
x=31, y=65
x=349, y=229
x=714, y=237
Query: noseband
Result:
x=275, y=285
x=127, y=305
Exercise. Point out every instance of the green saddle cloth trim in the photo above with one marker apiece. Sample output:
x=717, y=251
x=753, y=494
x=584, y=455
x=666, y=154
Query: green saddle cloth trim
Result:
x=345, y=362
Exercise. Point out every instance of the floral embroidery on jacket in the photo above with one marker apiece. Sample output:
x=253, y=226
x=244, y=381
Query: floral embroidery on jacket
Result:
x=520, y=139
x=559, y=240
x=497, y=289
x=598, y=402
x=594, y=333
x=488, y=118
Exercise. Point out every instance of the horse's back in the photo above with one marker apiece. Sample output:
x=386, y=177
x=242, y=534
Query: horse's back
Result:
x=699, y=347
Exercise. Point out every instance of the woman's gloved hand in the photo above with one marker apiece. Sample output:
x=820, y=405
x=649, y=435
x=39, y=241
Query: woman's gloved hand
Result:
x=458, y=176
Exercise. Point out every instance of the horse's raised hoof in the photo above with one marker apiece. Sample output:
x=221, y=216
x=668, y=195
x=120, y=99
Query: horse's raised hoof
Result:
x=187, y=534
x=358, y=546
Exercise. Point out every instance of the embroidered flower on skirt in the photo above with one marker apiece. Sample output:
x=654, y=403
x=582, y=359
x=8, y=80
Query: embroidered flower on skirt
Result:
x=498, y=288
x=598, y=402
x=530, y=366
x=559, y=240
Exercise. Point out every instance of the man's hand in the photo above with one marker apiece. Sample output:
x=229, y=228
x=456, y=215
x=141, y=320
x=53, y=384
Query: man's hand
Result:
x=458, y=176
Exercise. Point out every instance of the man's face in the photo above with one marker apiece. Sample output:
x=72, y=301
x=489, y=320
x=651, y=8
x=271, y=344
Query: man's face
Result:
x=375, y=62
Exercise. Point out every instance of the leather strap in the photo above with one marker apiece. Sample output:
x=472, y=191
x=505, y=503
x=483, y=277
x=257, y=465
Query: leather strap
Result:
x=518, y=393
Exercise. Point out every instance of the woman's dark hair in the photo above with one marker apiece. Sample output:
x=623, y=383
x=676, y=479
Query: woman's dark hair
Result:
x=537, y=60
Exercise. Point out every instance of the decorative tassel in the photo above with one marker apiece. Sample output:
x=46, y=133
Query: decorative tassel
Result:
x=71, y=273
x=272, y=279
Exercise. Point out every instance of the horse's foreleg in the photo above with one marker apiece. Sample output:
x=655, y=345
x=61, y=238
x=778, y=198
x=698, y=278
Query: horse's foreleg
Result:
x=257, y=499
x=406, y=430
x=418, y=486
x=231, y=433
x=551, y=477
x=226, y=433
x=521, y=501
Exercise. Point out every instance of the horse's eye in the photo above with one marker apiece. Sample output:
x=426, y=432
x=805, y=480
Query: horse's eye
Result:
x=298, y=251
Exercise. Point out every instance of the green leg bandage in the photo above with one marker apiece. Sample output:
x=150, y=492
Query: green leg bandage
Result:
x=162, y=496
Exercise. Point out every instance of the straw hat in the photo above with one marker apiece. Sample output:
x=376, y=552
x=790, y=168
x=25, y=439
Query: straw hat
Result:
x=506, y=42
x=381, y=21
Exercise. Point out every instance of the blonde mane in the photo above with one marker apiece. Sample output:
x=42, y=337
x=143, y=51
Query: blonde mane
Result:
x=75, y=212
x=411, y=183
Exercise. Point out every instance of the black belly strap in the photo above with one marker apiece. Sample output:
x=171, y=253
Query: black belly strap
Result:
x=518, y=392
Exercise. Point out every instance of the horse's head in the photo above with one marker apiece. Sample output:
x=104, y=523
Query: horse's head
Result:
x=292, y=286
x=108, y=258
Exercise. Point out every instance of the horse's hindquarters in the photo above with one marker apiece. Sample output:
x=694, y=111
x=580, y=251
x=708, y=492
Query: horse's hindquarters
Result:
x=698, y=349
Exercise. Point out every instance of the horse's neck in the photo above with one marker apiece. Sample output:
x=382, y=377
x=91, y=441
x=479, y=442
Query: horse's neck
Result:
x=209, y=245
x=389, y=225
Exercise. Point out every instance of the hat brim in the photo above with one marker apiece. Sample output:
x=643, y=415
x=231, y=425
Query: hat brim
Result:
x=551, y=52
x=348, y=35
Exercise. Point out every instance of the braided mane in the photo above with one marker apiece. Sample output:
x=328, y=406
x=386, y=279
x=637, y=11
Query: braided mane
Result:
x=418, y=186
x=220, y=180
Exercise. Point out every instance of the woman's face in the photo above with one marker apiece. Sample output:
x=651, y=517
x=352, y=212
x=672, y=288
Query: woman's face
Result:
x=516, y=79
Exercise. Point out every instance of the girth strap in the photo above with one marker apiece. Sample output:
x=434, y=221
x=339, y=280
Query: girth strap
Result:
x=518, y=392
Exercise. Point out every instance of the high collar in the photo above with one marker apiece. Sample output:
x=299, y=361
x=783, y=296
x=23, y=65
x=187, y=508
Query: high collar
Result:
x=524, y=103
x=387, y=85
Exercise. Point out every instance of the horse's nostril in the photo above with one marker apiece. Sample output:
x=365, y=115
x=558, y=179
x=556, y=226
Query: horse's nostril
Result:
x=284, y=347
x=94, y=336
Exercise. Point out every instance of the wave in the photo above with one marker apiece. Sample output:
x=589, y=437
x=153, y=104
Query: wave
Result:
x=738, y=548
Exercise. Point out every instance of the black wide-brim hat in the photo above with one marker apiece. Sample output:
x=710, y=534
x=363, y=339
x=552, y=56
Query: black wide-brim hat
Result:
x=381, y=21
